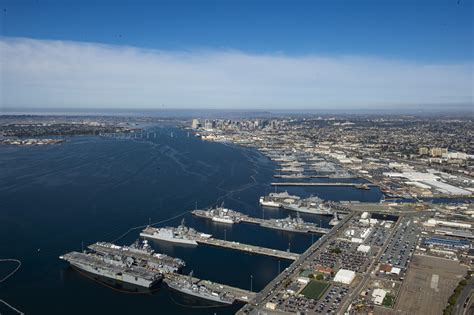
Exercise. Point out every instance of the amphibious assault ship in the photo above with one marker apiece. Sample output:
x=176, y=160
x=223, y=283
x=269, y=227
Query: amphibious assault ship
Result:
x=117, y=268
x=143, y=254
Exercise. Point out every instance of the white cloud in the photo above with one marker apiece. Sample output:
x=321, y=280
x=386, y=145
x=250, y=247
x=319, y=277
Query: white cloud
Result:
x=43, y=73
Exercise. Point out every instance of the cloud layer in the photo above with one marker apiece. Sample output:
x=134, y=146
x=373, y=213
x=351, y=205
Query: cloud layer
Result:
x=43, y=73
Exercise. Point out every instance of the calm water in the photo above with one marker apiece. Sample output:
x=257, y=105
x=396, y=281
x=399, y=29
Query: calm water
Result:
x=94, y=189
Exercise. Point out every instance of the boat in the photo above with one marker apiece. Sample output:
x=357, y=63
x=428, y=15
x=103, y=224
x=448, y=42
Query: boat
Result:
x=312, y=205
x=200, y=291
x=275, y=200
x=182, y=234
x=220, y=215
x=291, y=224
x=335, y=220
x=143, y=254
x=114, y=268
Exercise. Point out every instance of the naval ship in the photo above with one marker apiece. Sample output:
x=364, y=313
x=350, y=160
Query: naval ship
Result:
x=275, y=200
x=221, y=215
x=312, y=205
x=200, y=290
x=118, y=268
x=290, y=224
x=143, y=254
x=181, y=234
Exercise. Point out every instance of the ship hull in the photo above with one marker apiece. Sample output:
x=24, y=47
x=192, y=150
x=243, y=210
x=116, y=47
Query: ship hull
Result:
x=122, y=277
x=222, y=220
x=270, y=204
x=169, y=239
x=208, y=297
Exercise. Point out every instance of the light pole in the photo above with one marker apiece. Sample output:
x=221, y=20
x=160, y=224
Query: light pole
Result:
x=251, y=283
x=278, y=267
x=225, y=235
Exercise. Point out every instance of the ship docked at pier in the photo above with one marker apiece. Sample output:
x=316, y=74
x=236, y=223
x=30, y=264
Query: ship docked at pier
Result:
x=136, y=264
x=288, y=224
x=311, y=205
x=276, y=200
x=115, y=268
x=181, y=234
x=185, y=285
x=221, y=215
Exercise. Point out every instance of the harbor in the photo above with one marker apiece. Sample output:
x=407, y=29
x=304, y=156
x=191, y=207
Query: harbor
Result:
x=355, y=185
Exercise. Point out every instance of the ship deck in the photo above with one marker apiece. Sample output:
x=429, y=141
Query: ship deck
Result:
x=239, y=294
x=85, y=259
x=115, y=251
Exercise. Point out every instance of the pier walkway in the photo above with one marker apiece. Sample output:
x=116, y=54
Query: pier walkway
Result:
x=356, y=185
x=248, y=248
x=270, y=224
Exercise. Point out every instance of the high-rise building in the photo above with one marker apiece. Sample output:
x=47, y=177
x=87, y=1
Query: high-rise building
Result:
x=423, y=151
x=195, y=124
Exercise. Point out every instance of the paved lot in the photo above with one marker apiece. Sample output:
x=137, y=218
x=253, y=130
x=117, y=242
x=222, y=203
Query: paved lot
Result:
x=428, y=284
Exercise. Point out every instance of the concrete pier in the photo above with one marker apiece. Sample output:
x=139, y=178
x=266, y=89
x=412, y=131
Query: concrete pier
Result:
x=310, y=228
x=355, y=185
x=248, y=248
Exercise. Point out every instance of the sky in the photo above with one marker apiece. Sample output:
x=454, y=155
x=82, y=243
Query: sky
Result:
x=237, y=54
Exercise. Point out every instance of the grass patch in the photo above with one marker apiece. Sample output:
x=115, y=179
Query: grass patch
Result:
x=315, y=289
x=388, y=301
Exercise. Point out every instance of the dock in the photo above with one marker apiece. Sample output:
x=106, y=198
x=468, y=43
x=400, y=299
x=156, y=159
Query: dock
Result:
x=355, y=185
x=265, y=224
x=248, y=248
x=239, y=294
x=268, y=223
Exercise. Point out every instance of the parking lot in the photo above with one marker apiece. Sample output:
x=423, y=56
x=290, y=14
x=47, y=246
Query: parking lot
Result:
x=402, y=244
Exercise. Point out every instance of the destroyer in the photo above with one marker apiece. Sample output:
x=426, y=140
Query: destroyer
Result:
x=200, y=290
x=182, y=234
x=221, y=215
x=291, y=224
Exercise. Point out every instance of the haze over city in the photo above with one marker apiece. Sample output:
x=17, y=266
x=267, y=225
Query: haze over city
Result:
x=251, y=55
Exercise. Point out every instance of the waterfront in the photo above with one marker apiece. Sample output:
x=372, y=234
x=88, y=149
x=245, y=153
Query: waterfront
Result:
x=92, y=189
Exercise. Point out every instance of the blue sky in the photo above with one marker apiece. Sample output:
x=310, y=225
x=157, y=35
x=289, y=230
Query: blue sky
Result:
x=334, y=53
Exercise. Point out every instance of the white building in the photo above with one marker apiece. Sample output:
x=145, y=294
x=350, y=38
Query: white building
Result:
x=344, y=276
x=378, y=296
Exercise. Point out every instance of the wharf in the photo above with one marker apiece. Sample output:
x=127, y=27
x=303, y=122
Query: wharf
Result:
x=248, y=248
x=356, y=185
x=268, y=223
x=239, y=294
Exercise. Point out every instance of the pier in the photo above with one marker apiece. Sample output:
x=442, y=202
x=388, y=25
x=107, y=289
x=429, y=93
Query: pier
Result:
x=248, y=248
x=239, y=294
x=309, y=228
x=355, y=185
